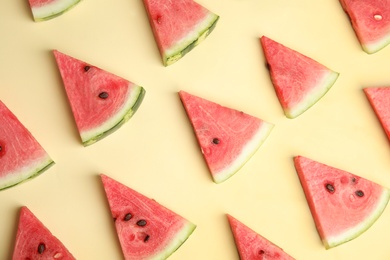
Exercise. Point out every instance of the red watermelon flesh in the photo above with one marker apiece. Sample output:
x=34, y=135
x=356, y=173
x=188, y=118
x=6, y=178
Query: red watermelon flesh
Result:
x=35, y=242
x=379, y=99
x=299, y=81
x=251, y=245
x=178, y=26
x=21, y=156
x=342, y=204
x=146, y=229
x=370, y=20
x=227, y=137
x=47, y=9
x=101, y=102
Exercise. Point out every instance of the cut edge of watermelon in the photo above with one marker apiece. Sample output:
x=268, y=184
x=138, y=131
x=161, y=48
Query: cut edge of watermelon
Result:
x=313, y=96
x=26, y=173
x=135, y=98
x=186, y=44
x=247, y=152
x=52, y=10
x=363, y=226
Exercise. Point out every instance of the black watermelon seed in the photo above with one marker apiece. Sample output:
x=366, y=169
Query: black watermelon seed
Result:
x=86, y=68
x=41, y=248
x=146, y=238
x=141, y=222
x=127, y=217
x=216, y=140
x=261, y=252
x=353, y=179
x=330, y=187
x=103, y=95
x=359, y=193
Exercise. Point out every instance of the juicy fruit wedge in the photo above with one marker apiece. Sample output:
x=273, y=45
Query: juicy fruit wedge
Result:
x=35, y=241
x=370, y=20
x=21, y=156
x=146, y=229
x=227, y=137
x=47, y=9
x=251, y=245
x=178, y=26
x=342, y=204
x=101, y=102
x=299, y=81
x=379, y=99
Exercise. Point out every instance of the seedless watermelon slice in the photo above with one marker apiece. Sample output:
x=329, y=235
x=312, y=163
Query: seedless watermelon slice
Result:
x=47, y=9
x=101, y=102
x=299, y=81
x=146, y=229
x=21, y=156
x=251, y=245
x=379, y=99
x=227, y=137
x=342, y=204
x=370, y=20
x=35, y=241
x=178, y=26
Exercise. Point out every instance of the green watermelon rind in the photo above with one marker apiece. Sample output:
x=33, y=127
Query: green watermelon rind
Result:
x=134, y=100
x=374, y=47
x=52, y=10
x=193, y=38
x=26, y=173
x=247, y=152
x=334, y=241
x=312, y=97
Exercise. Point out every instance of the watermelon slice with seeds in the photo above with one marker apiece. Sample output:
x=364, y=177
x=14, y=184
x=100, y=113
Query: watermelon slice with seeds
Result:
x=178, y=26
x=342, y=204
x=146, y=229
x=101, y=102
x=379, y=99
x=35, y=241
x=370, y=20
x=251, y=245
x=227, y=137
x=43, y=10
x=21, y=156
x=299, y=81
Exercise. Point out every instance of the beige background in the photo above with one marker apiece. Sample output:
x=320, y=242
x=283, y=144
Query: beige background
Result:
x=156, y=152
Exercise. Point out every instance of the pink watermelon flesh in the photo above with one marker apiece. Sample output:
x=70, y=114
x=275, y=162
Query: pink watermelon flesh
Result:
x=342, y=204
x=370, y=20
x=101, y=102
x=34, y=241
x=21, y=156
x=251, y=245
x=379, y=99
x=299, y=81
x=178, y=26
x=227, y=137
x=47, y=9
x=146, y=229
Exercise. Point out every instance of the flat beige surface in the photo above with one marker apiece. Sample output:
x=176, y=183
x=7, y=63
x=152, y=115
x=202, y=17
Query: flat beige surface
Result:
x=156, y=152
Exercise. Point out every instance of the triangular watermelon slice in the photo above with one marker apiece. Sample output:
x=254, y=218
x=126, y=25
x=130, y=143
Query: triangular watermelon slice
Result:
x=299, y=81
x=342, y=204
x=370, y=20
x=251, y=245
x=101, y=102
x=21, y=156
x=379, y=99
x=43, y=10
x=146, y=229
x=227, y=137
x=178, y=26
x=35, y=241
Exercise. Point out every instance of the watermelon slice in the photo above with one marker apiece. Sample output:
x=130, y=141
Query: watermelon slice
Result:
x=342, y=204
x=379, y=99
x=299, y=81
x=146, y=229
x=251, y=245
x=35, y=241
x=43, y=10
x=227, y=137
x=21, y=156
x=101, y=102
x=370, y=20
x=178, y=26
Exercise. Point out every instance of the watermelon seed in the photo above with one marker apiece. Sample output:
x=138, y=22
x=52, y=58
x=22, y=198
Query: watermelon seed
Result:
x=146, y=238
x=359, y=193
x=330, y=188
x=127, y=217
x=41, y=248
x=378, y=17
x=103, y=95
x=141, y=222
x=86, y=68
x=261, y=252
x=268, y=66
x=216, y=141
x=158, y=19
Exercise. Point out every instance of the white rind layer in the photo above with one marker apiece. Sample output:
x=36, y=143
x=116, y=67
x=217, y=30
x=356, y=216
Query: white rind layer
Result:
x=52, y=9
